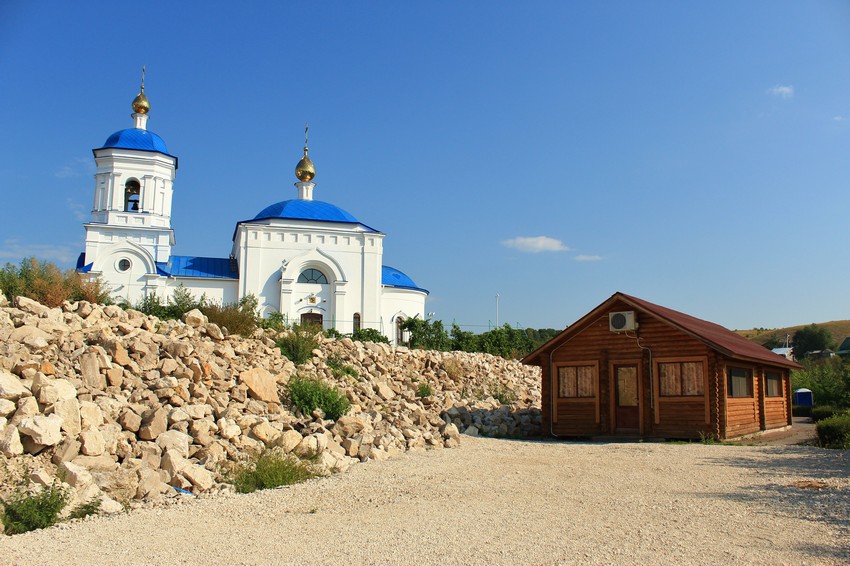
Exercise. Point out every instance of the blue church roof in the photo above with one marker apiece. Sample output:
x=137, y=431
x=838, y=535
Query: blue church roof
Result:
x=136, y=138
x=392, y=277
x=192, y=266
x=306, y=210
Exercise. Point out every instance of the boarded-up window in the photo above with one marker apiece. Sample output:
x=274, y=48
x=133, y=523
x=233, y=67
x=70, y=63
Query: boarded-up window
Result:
x=682, y=378
x=773, y=385
x=739, y=383
x=576, y=381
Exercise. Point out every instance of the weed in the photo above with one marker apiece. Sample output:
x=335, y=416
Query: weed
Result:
x=240, y=318
x=91, y=507
x=26, y=511
x=708, y=438
x=340, y=368
x=500, y=392
x=310, y=393
x=424, y=390
x=298, y=344
x=453, y=368
x=266, y=470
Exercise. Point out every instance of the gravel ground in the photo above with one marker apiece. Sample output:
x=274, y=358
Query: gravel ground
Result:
x=499, y=501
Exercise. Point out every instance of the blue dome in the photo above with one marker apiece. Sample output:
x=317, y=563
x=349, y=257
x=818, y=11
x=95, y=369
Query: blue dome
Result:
x=135, y=138
x=299, y=209
x=392, y=277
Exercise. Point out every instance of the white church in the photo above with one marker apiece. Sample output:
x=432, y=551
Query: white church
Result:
x=309, y=260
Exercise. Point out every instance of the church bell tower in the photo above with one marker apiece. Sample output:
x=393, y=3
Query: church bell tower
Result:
x=130, y=227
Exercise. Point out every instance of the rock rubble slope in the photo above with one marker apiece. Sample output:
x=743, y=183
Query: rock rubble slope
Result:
x=127, y=407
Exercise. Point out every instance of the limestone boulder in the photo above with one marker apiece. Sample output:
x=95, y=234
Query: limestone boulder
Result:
x=92, y=442
x=265, y=433
x=32, y=307
x=194, y=318
x=69, y=411
x=10, y=442
x=91, y=415
x=153, y=424
x=199, y=477
x=174, y=440
x=90, y=371
x=129, y=420
x=289, y=440
x=261, y=384
x=46, y=431
x=75, y=475
x=7, y=407
x=11, y=386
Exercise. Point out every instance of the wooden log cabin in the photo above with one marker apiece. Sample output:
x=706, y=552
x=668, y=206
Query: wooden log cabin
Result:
x=633, y=368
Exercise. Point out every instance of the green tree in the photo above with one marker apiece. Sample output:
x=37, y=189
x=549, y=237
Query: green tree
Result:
x=829, y=381
x=463, y=340
x=811, y=338
x=426, y=334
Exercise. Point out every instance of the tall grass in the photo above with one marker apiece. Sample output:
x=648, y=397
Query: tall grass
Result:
x=266, y=470
x=311, y=393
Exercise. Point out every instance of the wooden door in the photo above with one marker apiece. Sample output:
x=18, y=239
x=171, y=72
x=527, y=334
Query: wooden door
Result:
x=626, y=398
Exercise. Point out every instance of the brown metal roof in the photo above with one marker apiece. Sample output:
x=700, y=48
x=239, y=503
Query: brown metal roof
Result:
x=713, y=335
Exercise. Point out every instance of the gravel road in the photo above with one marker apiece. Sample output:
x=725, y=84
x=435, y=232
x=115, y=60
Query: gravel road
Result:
x=499, y=501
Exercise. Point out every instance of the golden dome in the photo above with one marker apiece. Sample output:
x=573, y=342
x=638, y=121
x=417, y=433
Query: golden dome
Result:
x=141, y=105
x=305, y=170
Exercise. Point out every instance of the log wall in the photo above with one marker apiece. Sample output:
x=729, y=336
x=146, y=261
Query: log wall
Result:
x=712, y=413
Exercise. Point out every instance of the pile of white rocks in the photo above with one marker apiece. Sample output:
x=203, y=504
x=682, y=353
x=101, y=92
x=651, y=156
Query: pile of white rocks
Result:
x=126, y=407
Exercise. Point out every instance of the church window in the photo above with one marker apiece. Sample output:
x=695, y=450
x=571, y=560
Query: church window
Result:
x=132, y=189
x=312, y=276
x=357, y=322
x=399, y=331
x=124, y=264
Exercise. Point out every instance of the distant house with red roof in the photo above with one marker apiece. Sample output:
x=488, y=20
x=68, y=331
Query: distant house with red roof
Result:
x=630, y=367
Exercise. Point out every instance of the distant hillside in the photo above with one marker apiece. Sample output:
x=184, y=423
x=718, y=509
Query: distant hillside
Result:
x=840, y=330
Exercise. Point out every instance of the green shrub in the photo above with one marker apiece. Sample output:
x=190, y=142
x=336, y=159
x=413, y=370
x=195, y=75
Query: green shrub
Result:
x=310, y=393
x=275, y=321
x=801, y=411
x=333, y=333
x=298, y=344
x=26, y=511
x=180, y=302
x=834, y=431
x=340, y=368
x=369, y=335
x=828, y=379
x=424, y=390
x=239, y=318
x=91, y=507
x=266, y=470
x=821, y=412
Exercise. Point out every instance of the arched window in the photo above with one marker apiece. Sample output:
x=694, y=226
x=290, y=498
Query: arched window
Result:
x=312, y=276
x=399, y=332
x=131, y=196
x=356, y=322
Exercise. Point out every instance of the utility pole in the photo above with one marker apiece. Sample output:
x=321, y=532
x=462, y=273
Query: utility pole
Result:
x=497, y=310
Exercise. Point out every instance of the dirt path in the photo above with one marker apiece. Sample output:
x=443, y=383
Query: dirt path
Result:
x=500, y=501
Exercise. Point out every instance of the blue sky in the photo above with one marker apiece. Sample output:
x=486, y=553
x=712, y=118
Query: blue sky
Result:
x=696, y=155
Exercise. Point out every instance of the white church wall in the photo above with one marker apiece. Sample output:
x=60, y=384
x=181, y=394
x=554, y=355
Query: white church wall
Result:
x=219, y=291
x=404, y=303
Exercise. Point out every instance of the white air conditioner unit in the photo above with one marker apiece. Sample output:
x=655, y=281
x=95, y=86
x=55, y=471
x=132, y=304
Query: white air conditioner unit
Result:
x=621, y=321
